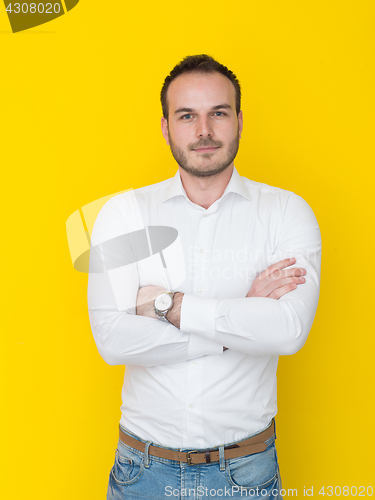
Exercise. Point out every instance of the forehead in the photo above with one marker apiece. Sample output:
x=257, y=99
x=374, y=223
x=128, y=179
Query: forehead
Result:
x=200, y=90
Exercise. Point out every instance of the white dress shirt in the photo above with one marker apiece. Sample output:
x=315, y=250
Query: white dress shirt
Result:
x=180, y=389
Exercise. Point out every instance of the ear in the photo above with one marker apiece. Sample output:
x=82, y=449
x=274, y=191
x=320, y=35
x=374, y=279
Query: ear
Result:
x=164, y=129
x=240, y=123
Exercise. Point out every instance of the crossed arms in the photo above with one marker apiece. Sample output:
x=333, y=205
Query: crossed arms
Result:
x=273, y=282
x=274, y=318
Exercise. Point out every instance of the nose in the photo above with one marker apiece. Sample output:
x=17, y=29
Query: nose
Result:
x=204, y=127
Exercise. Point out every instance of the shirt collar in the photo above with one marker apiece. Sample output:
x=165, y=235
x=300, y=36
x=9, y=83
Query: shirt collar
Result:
x=235, y=185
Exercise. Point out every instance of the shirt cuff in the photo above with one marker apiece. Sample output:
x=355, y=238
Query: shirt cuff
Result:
x=197, y=316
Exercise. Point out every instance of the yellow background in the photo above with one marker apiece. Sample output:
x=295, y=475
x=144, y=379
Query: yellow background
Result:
x=80, y=119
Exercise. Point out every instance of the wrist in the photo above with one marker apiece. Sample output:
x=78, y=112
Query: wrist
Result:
x=174, y=313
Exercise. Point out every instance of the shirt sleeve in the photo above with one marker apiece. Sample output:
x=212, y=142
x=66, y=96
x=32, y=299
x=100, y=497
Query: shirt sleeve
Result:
x=260, y=325
x=120, y=335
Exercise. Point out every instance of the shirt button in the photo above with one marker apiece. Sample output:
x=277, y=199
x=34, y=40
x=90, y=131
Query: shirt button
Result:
x=195, y=362
x=204, y=215
x=201, y=250
x=191, y=406
x=200, y=290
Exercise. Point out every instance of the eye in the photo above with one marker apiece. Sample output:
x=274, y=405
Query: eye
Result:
x=186, y=117
x=219, y=113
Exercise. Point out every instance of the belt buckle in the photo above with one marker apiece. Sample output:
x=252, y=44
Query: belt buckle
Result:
x=189, y=457
x=208, y=460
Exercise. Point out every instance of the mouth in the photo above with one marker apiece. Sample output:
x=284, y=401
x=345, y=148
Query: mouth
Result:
x=209, y=149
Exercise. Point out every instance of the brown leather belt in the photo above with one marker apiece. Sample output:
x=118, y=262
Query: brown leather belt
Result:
x=249, y=446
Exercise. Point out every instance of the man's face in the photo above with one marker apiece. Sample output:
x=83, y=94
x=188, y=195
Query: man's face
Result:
x=202, y=130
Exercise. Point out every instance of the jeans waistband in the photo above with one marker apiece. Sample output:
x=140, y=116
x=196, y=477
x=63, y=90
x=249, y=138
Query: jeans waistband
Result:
x=135, y=436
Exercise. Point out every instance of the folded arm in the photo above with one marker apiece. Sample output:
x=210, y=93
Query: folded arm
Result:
x=121, y=336
x=260, y=325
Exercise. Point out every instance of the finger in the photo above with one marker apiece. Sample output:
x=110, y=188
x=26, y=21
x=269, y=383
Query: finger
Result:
x=277, y=279
x=279, y=292
x=269, y=286
x=286, y=273
x=276, y=267
x=274, y=285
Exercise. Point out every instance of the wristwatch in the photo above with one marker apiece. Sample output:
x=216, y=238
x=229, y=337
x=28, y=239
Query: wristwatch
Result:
x=163, y=303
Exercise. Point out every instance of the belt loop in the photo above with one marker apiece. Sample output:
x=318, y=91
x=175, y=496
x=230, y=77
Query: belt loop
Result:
x=222, y=457
x=147, y=458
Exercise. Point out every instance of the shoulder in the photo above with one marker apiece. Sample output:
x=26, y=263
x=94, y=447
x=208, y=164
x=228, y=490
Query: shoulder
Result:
x=282, y=207
x=282, y=199
x=127, y=202
x=121, y=212
x=261, y=191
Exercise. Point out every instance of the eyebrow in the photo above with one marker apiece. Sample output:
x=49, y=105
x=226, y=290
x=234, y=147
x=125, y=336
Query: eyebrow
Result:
x=191, y=110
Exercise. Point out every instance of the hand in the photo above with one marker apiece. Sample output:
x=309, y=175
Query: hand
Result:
x=145, y=300
x=274, y=282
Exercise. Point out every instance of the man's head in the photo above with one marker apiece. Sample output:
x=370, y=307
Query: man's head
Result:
x=202, y=120
x=200, y=64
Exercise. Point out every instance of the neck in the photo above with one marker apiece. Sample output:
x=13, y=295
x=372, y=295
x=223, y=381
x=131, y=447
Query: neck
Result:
x=204, y=191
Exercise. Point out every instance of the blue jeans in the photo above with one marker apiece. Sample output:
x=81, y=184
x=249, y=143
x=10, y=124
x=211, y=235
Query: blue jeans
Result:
x=138, y=475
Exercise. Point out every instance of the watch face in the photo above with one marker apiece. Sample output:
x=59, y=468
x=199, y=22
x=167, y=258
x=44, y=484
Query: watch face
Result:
x=163, y=302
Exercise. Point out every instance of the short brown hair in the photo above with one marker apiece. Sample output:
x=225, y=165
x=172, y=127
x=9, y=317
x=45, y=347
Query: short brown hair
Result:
x=199, y=64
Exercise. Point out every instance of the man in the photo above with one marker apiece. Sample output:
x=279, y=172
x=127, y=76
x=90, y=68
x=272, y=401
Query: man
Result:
x=200, y=319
